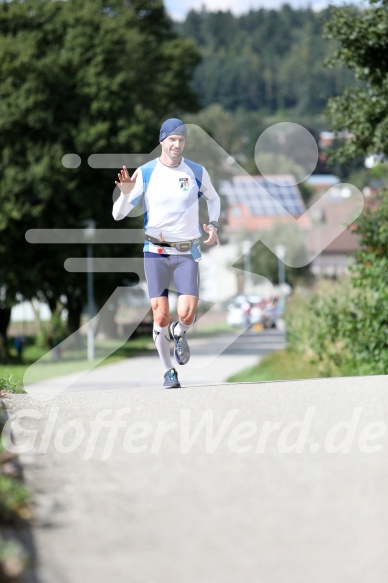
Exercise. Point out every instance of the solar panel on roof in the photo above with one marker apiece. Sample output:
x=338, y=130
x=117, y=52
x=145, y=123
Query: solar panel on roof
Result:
x=264, y=198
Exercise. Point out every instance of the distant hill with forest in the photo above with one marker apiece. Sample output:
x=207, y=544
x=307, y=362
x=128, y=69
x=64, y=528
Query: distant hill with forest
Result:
x=264, y=60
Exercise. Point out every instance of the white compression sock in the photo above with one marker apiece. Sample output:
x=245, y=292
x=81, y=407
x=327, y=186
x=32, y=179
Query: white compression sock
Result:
x=181, y=328
x=162, y=342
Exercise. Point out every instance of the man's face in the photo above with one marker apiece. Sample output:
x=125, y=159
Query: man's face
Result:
x=173, y=146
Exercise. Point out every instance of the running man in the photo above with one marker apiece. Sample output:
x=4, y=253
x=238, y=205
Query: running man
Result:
x=170, y=187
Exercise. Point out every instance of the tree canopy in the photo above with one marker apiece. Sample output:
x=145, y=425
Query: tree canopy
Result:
x=362, y=36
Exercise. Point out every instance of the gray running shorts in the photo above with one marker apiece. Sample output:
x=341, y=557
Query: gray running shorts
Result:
x=161, y=269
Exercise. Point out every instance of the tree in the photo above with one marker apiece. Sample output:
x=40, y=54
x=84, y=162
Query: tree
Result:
x=264, y=262
x=222, y=125
x=363, y=39
x=77, y=77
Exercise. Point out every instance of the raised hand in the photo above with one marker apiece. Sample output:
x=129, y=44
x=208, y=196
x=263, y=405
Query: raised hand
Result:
x=126, y=182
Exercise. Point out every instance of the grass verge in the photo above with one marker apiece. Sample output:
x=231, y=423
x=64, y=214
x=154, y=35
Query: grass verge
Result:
x=278, y=366
x=71, y=361
x=15, y=504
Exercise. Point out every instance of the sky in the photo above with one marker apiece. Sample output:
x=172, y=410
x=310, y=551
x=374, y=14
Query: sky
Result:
x=179, y=8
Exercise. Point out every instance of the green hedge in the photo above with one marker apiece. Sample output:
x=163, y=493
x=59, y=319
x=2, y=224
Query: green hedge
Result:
x=342, y=328
x=315, y=324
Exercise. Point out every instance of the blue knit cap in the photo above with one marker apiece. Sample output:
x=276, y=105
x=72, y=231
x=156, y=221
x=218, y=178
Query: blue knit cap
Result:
x=171, y=127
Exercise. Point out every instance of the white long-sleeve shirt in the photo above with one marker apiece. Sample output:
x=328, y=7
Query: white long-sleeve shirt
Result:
x=170, y=201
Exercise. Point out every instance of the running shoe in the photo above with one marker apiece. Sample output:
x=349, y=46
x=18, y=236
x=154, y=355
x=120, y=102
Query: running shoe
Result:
x=181, y=347
x=171, y=379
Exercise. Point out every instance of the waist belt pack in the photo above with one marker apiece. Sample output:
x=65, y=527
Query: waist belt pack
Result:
x=181, y=246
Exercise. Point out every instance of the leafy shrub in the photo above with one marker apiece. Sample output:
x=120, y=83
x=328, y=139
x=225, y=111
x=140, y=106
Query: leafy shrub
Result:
x=10, y=386
x=369, y=330
x=316, y=324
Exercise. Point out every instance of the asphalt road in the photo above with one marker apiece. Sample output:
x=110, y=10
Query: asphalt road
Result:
x=213, y=360
x=255, y=482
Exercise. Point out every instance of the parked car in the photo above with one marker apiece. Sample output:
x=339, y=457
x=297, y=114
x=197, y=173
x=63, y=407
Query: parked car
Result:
x=244, y=311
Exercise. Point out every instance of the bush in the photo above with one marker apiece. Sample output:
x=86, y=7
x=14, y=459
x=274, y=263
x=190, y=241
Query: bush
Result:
x=368, y=331
x=52, y=333
x=316, y=323
x=9, y=386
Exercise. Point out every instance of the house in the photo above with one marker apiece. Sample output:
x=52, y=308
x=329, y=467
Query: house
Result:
x=322, y=182
x=334, y=259
x=256, y=202
x=252, y=205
